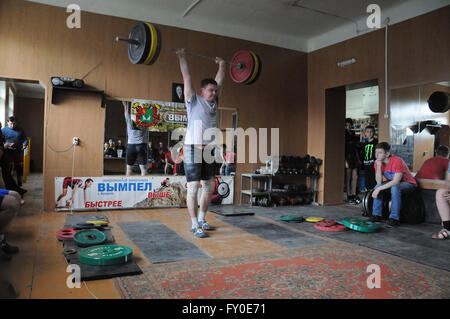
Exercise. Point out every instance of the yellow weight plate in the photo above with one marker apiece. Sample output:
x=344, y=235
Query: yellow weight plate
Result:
x=97, y=222
x=153, y=43
x=255, y=67
x=314, y=219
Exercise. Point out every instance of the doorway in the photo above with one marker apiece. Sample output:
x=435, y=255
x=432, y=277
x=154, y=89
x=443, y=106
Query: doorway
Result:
x=360, y=102
x=25, y=100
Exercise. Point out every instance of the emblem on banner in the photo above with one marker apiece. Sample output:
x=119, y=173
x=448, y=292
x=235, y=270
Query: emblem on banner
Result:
x=146, y=114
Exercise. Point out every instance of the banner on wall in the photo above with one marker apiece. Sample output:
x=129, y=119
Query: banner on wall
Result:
x=158, y=116
x=108, y=193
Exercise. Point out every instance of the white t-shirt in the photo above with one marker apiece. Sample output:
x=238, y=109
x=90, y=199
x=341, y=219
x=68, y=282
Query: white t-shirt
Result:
x=204, y=114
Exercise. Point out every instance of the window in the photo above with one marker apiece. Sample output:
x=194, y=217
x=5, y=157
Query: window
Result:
x=10, y=103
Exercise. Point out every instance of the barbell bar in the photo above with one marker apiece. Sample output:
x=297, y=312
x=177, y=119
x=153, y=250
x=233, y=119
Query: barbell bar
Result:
x=137, y=43
x=144, y=46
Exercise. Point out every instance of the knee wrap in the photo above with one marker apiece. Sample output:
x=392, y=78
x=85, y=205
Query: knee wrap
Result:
x=192, y=188
x=208, y=186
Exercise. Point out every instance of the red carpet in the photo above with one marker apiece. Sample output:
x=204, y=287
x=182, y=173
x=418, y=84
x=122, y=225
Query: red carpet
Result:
x=322, y=271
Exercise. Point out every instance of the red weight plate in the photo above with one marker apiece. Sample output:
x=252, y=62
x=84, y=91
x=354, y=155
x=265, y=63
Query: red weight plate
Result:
x=333, y=228
x=326, y=223
x=242, y=75
x=66, y=234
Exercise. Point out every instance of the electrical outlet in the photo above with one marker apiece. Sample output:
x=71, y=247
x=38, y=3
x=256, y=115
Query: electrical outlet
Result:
x=76, y=141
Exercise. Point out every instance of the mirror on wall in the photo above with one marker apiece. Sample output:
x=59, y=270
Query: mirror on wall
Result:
x=416, y=131
x=165, y=125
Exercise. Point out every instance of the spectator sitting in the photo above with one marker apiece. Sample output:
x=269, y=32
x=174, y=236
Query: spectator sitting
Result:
x=443, y=206
x=161, y=153
x=398, y=180
x=120, y=147
x=435, y=167
x=168, y=162
x=110, y=149
x=178, y=162
x=228, y=165
x=9, y=208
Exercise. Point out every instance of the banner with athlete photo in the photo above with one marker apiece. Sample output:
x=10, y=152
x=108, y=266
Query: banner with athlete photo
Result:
x=125, y=192
x=158, y=116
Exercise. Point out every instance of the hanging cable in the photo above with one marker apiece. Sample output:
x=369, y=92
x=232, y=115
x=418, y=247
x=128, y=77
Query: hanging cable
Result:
x=73, y=171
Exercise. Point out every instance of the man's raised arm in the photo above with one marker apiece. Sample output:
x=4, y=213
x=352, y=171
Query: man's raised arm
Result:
x=188, y=88
x=220, y=76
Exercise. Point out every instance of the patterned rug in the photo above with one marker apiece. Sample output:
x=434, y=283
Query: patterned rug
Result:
x=326, y=271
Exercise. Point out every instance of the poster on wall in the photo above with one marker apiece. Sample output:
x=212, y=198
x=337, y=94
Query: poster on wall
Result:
x=124, y=192
x=158, y=116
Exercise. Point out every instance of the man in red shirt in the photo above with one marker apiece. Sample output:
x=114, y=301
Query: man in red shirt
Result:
x=398, y=178
x=436, y=167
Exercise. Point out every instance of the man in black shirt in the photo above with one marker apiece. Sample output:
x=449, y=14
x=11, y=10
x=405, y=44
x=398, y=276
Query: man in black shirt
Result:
x=368, y=155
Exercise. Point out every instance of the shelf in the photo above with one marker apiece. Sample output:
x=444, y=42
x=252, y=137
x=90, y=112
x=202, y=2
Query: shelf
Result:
x=299, y=175
x=86, y=89
x=250, y=193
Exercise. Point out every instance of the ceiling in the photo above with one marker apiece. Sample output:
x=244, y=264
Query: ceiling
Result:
x=303, y=25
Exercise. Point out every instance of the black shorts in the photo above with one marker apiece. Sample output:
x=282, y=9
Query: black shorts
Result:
x=195, y=167
x=138, y=151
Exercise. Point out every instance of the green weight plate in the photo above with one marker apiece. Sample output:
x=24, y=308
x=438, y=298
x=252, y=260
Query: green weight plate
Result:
x=292, y=218
x=360, y=225
x=103, y=255
x=86, y=238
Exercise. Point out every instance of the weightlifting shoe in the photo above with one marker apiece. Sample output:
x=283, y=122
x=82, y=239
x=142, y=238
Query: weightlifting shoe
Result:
x=198, y=232
x=393, y=222
x=6, y=248
x=204, y=225
x=375, y=218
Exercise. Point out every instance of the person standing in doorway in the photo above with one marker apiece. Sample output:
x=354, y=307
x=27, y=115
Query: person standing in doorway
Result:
x=368, y=156
x=351, y=162
x=15, y=142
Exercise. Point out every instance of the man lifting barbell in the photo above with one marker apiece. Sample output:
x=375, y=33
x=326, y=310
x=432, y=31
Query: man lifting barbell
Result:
x=202, y=112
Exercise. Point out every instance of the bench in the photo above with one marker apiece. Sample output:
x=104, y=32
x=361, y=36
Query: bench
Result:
x=428, y=189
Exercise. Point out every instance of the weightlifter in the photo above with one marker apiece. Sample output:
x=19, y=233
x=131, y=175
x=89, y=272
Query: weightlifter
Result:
x=201, y=109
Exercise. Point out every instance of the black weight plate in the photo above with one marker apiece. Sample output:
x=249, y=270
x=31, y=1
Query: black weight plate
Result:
x=138, y=53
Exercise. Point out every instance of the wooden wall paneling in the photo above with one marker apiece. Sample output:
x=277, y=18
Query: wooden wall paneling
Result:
x=334, y=161
x=419, y=49
x=80, y=115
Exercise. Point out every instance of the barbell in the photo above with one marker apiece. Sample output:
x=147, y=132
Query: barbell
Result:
x=144, y=47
